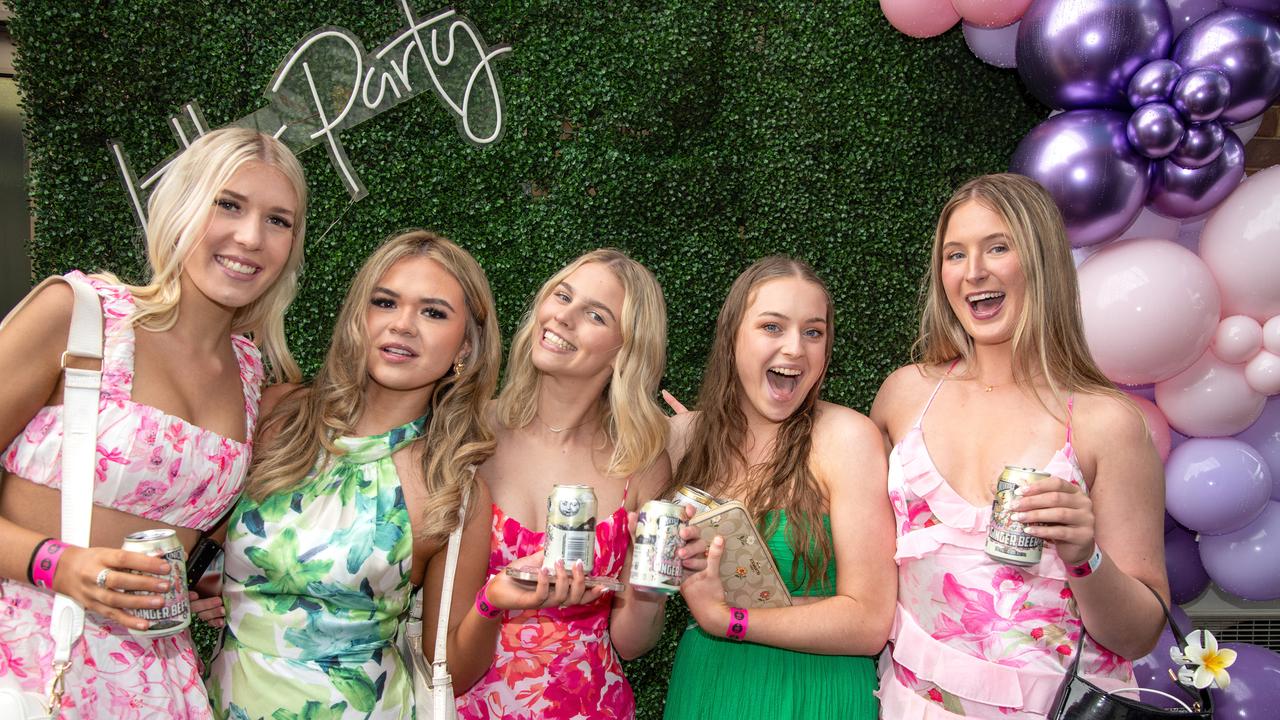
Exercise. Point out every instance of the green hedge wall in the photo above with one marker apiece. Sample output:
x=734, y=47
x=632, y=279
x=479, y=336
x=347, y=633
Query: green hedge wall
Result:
x=697, y=135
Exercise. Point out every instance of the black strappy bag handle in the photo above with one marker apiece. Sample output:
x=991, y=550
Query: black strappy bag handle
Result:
x=1079, y=699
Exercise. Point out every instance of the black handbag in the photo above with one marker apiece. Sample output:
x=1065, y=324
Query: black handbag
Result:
x=1079, y=699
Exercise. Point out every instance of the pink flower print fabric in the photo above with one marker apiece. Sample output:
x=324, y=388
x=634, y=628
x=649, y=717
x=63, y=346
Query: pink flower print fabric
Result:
x=554, y=663
x=148, y=464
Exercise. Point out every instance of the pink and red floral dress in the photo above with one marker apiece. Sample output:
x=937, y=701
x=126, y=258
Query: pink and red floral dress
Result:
x=554, y=663
x=149, y=464
x=972, y=637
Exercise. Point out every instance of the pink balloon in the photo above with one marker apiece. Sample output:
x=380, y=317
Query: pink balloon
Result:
x=1263, y=373
x=991, y=13
x=1152, y=225
x=1150, y=309
x=920, y=18
x=1156, y=424
x=1241, y=245
x=1271, y=335
x=1237, y=339
x=1209, y=399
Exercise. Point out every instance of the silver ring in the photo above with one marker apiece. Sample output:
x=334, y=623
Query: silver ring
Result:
x=102, y=578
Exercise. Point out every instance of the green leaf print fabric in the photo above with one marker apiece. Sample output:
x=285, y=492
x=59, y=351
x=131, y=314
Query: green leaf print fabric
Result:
x=316, y=580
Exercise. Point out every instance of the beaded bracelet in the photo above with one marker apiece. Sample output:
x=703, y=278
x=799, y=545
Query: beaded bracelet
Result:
x=483, y=606
x=1086, y=568
x=44, y=563
x=738, y=622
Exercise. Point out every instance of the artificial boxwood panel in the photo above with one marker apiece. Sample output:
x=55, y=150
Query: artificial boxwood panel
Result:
x=697, y=135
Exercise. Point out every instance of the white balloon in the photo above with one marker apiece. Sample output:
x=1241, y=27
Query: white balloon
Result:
x=1237, y=339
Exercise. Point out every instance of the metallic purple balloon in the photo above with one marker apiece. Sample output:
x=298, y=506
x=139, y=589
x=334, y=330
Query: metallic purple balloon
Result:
x=1186, y=12
x=1082, y=53
x=1201, y=94
x=1155, y=129
x=1242, y=45
x=1154, y=82
x=1200, y=145
x=1084, y=160
x=1270, y=7
x=1186, y=192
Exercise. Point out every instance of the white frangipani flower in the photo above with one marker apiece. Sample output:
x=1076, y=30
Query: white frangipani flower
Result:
x=1206, y=663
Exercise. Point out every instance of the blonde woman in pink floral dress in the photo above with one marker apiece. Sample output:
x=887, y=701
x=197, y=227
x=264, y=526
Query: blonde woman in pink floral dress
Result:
x=178, y=404
x=1004, y=378
x=578, y=407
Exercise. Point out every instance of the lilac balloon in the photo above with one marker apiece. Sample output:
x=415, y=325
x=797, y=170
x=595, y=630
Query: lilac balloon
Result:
x=1085, y=162
x=1154, y=129
x=1216, y=485
x=1264, y=436
x=993, y=46
x=1246, y=562
x=1152, y=671
x=1189, y=234
x=1184, y=13
x=1154, y=82
x=1242, y=45
x=1201, y=94
x=1187, y=578
x=1254, y=692
x=1183, y=193
x=1200, y=145
x=1082, y=53
x=1247, y=129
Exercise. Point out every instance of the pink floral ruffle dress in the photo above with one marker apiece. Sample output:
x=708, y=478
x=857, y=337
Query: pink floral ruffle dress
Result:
x=972, y=637
x=149, y=464
x=554, y=663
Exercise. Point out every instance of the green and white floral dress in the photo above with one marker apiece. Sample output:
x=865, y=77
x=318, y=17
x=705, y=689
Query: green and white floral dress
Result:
x=316, y=579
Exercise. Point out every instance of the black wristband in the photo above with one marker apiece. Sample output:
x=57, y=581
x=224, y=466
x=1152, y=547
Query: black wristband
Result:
x=32, y=562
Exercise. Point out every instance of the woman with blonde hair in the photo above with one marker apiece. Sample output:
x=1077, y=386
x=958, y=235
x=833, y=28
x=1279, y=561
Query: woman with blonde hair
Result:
x=177, y=407
x=358, y=482
x=1004, y=377
x=578, y=408
x=812, y=474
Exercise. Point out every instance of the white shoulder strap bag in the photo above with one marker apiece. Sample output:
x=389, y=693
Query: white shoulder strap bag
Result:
x=79, y=446
x=432, y=684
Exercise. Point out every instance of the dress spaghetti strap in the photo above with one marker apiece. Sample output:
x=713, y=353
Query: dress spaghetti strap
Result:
x=936, y=388
x=1071, y=399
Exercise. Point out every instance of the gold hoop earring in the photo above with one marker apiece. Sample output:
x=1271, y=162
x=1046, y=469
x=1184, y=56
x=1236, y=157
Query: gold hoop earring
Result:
x=458, y=367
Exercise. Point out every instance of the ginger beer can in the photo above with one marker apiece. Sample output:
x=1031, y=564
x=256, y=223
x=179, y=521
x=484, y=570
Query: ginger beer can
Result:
x=701, y=500
x=571, y=527
x=1007, y=541
x=654, y=563
x=175, y=615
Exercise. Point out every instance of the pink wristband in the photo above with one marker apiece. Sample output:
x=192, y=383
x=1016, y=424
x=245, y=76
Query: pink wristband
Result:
x=1086, y=568
x=45, y=564
x=738, y=622
x=483, y=606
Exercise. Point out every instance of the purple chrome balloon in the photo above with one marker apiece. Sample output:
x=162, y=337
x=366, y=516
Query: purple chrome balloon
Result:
x=1201, y=94
x=1154, y=82
x=1254, y=691
x=1084, y=160
x=1185, y=13
x=1242, y=45
x=1154, y=129
x=1082, y=53
x=1200, y=145
x=1187, y=192
x=1270, y=7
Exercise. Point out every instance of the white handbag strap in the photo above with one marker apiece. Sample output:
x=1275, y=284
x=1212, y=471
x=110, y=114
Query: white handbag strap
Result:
x=439, y=669
x=79, y=448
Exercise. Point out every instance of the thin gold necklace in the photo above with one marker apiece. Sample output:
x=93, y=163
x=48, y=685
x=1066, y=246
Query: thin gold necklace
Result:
x=560, y=430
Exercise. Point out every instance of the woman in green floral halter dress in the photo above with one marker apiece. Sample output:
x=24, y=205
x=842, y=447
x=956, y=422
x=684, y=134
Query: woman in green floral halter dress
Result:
x=323, y=555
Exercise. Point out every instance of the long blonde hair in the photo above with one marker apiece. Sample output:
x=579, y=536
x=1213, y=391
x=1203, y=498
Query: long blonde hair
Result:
x=178, y=214
x=630, y=416
x=302, y=427
x=714, y=453
x=1048, y=340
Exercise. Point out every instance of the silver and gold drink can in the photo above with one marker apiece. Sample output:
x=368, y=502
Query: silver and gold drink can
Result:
x=175, y=615
x=571, y=527
x=701, y=500
x=654, y=563
x=1006, y=541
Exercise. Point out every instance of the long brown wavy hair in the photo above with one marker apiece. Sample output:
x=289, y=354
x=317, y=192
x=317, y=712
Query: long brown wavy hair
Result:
x=303, y=426
x=714, y=453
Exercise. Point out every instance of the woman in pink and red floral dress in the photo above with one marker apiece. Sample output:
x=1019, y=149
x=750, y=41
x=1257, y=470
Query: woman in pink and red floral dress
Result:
x=577, y=408
x=1005, y=378
x=178, y=404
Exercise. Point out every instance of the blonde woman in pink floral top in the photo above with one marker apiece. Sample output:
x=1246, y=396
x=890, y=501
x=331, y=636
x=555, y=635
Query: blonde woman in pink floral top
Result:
x=178, y=404
x=1004, y=378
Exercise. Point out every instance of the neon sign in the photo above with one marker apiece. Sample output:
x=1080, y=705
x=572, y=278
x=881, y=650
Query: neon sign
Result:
x=328, y=84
